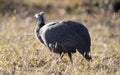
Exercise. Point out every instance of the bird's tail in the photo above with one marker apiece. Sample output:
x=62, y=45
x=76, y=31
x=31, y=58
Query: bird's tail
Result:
x=85, y=54
x=88, y=57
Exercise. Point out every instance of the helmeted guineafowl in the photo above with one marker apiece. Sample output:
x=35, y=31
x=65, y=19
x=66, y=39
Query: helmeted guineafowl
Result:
x=64, y=36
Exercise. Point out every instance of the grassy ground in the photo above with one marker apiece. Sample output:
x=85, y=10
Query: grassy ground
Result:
x=22, y=54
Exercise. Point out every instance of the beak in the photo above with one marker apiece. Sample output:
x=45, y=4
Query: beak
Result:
x=34, y=16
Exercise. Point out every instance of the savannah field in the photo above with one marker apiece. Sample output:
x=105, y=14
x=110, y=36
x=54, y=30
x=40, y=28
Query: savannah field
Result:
x=22, y=54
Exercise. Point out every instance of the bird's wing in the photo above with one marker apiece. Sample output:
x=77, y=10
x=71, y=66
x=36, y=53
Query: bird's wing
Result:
x=72, y=40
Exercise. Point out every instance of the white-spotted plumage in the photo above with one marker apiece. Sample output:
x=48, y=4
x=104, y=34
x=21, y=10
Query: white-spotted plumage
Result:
x=64, y=36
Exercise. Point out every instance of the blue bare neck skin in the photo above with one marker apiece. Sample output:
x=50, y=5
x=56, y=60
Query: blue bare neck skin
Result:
x=39, y=25
x=41, y=21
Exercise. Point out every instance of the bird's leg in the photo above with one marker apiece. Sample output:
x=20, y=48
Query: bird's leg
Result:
x=61, y=55
x=70, y=56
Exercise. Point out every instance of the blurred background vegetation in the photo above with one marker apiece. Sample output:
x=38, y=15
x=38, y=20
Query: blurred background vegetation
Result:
x=64, y=6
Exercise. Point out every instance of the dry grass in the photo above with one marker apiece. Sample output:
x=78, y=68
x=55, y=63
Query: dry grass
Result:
x=22, y=54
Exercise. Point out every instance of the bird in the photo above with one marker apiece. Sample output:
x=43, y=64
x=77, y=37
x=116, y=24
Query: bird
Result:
x=63, y=37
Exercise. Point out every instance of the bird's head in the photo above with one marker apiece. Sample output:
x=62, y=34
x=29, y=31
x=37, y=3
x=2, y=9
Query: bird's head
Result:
x=39, y=16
